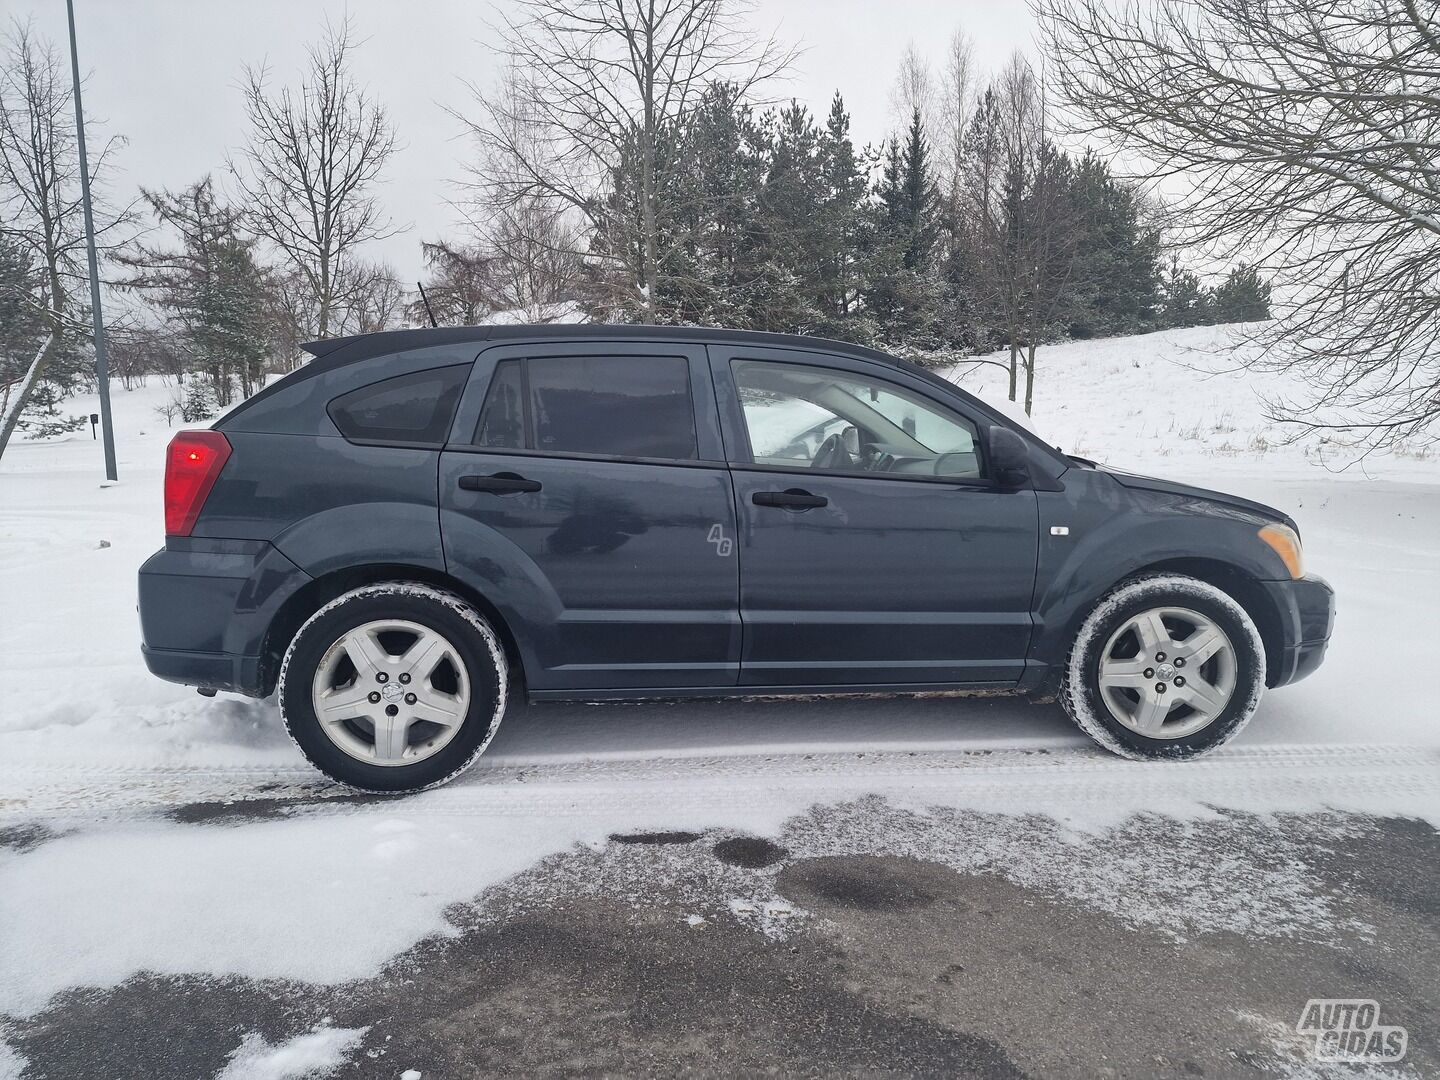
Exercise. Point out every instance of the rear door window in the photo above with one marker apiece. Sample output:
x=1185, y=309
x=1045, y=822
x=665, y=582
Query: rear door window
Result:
x=415, y=408
x=613, y=406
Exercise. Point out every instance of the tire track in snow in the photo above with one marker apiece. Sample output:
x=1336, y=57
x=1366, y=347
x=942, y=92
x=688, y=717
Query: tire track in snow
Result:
x=1262, y=777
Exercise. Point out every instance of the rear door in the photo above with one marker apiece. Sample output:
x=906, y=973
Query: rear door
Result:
x=584, y=492
x=873, y=547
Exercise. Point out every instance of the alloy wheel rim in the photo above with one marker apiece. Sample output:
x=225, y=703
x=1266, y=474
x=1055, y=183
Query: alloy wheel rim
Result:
x=391, y=692
x=1167, y=672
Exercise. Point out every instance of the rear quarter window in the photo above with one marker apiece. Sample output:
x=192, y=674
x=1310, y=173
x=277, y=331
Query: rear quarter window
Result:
x=415, y=408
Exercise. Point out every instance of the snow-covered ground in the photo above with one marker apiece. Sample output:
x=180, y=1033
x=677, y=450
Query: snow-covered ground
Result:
x=92, y=747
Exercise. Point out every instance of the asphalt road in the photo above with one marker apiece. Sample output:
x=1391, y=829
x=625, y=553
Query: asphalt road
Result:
x=868, y=939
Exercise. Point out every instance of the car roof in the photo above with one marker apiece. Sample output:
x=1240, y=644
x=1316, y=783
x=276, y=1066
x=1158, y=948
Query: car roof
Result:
x=334, y=352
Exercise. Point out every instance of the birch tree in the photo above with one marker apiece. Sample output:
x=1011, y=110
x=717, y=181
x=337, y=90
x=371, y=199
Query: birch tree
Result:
x=1303, y=136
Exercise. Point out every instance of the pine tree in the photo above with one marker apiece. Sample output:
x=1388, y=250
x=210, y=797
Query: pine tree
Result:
x=905, y=290
x=1182, y=301
x=841, y=230
x=1118, y=263
x=1242, y=297
x=710, y=266
x=211, y=288
x=22, y=330
x=792, y=235
x=199, y=402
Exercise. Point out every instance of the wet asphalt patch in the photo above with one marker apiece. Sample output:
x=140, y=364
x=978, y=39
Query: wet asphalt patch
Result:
x=921, y=944
x=244, y=811
x=749, y=852
x=868, y=882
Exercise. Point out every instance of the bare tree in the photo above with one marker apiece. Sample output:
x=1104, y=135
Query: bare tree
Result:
x=374, y=298
x=1016, y=110
x=593, y=91
x=915, y=90
x=1303, y=136
x=956, y=104
x=40, y=210
x=309, y=172
x=534, y=265
x=461, y=290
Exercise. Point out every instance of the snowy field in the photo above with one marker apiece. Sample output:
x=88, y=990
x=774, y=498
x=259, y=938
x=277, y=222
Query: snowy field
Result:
x=100, y=879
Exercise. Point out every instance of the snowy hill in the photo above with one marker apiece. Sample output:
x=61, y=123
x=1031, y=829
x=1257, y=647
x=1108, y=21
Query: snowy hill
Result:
x=1176, y=402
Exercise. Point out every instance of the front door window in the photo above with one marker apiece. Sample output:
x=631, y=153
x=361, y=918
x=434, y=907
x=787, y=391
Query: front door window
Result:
x=835, y=421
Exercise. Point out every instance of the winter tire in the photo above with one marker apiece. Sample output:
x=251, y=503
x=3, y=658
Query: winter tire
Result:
x=1165, y=666
x=393, y=687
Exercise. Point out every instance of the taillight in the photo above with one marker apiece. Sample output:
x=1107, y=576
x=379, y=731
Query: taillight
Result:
x=192, y=465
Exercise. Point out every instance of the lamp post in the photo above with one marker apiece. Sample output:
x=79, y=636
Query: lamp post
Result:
x=102, y=369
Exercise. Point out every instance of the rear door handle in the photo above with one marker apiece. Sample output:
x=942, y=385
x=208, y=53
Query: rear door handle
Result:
x=505, y=483
x=790, y=499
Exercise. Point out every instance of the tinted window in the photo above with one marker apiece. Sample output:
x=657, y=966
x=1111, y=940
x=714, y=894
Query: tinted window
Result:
x=839, y=422
x=502, y=421
x=628, y=406
x=412, y=408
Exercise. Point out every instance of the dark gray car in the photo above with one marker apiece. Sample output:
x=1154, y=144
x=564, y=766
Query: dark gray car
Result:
x=415, y=525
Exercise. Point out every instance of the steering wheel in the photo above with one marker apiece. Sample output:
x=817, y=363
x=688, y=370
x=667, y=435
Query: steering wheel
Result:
x=832, y=454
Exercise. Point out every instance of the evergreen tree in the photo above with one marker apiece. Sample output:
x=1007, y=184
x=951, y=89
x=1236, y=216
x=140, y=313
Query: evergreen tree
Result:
x=710, y=269
x=1117, y=278
x=210, y=287
x=791, y=215
x=22, y=330
x=905, y=289
x=1242, y=297
x=199, y=402
x=1182, y=300
x=841, y=230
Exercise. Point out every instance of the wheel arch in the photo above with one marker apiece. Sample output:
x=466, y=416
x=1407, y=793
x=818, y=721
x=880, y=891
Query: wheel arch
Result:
x=315, y=594
x=1237, y=583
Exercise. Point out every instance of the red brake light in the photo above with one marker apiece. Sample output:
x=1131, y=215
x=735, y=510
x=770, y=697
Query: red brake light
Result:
x=192, y=465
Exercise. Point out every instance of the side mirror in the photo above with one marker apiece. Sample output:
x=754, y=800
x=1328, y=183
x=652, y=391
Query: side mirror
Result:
x=1009, y=458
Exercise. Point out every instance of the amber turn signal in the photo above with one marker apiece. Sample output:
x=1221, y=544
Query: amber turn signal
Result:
x=1286, y=543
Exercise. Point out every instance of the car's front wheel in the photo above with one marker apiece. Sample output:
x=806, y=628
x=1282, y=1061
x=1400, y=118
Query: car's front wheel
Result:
x=393, y=687
x=1165, y=666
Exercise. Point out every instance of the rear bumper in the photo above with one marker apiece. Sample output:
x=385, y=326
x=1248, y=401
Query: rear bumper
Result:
x=214, y=671
x=206, y=607
x=1307, y=616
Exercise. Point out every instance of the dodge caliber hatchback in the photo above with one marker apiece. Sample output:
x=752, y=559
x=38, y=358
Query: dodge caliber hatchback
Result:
x=416, y=525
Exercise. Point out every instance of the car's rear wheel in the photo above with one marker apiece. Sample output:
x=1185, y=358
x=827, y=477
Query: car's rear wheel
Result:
x=393, y=687
x=1165, y=666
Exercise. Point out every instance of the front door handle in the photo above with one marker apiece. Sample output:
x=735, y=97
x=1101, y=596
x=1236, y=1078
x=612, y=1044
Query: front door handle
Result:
x=790, y=499
x=505, y=483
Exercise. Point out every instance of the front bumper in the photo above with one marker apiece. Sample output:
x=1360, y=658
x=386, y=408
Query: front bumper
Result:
x=206, y=607
x=1307, y=616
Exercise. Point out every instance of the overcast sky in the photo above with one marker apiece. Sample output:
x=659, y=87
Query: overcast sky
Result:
x=164, y=73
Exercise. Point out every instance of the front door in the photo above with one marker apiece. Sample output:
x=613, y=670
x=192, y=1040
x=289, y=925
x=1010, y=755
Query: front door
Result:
x=873, y=548
x=583, y=493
